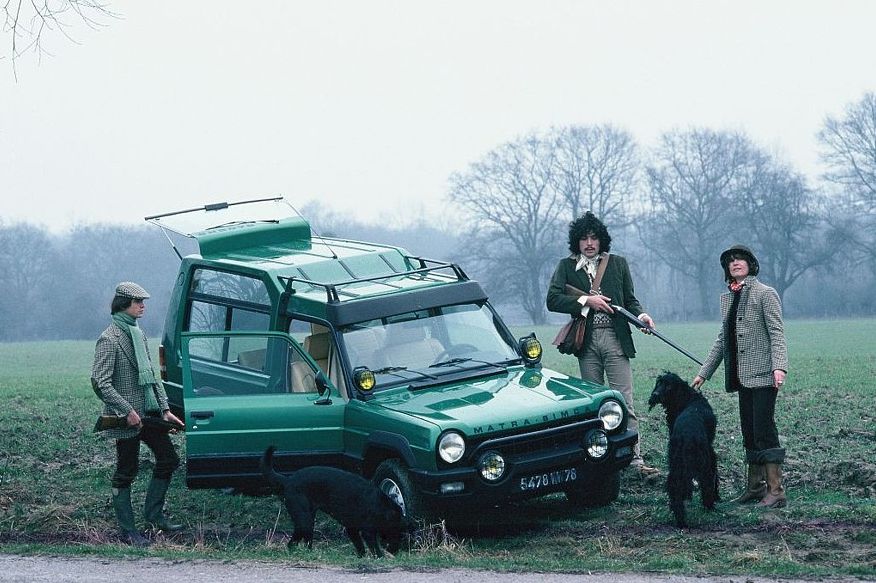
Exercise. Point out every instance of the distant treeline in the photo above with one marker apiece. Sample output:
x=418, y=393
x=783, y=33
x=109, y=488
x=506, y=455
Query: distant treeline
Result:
x=670, y=209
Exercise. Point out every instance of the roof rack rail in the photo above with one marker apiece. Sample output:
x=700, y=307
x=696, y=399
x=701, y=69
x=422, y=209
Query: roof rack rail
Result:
x=333, y=294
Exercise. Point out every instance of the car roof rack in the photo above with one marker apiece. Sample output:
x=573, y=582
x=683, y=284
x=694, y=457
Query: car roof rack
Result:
x=334, y=290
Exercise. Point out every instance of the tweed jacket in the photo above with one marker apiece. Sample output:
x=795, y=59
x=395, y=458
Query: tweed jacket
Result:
x=114, y=377
x=617, y=284
x=760, y=337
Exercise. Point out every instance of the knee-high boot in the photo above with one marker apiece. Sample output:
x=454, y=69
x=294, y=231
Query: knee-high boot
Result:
x=756, y=488
x=125, y=518
x=775, y=496
x=153, y=509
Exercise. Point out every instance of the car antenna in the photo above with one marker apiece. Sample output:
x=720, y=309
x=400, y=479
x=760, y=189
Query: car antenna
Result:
x=317, y=235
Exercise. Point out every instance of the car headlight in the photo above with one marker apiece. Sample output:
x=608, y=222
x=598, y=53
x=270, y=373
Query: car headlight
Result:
x=596, y=444
x=451, y=447
x=530, y=350
x=612, y=415
x=492, y=466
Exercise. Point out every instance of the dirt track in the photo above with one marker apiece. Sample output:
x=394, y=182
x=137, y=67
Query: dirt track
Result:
x=63, y=570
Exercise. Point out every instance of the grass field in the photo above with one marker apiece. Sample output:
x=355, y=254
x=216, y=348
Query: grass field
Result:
x=54, y=491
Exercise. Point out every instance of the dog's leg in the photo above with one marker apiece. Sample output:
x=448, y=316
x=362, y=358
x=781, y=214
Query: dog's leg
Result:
x=675, y=487
x=372, y=540
x=356, y=539
x=303, y=517
x=709, y=483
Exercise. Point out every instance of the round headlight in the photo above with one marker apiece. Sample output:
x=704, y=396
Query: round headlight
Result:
x=596, y=444
x=612, y=414
x=492, y=466
x=364, y=378
x=451, y=446
x=530, y=349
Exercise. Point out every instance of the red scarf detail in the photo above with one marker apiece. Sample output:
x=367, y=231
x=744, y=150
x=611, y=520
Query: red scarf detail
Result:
x=736, y=286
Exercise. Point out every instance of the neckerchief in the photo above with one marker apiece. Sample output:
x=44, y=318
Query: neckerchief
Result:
x=736, y=286
x=588, y=264
x=146, y=376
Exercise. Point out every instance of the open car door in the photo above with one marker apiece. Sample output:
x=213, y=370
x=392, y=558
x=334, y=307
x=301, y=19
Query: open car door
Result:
x=244, y=391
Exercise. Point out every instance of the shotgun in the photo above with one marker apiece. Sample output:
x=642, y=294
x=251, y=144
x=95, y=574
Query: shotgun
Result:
x=635, y=321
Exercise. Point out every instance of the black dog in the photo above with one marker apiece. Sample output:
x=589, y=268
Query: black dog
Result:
x=691, y=434
x=365, y=512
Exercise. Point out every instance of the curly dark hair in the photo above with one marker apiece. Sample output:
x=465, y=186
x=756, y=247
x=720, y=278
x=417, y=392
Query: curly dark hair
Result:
x=580, y=227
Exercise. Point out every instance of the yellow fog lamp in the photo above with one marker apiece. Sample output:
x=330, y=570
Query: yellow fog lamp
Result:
x=530, y=349
x=364, y=378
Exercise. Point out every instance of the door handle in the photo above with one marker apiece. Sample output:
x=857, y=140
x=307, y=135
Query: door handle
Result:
x=202, y=414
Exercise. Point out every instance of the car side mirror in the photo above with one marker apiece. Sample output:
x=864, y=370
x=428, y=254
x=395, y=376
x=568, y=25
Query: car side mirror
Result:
x=322, y=387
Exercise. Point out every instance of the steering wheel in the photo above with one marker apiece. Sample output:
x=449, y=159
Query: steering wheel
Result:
x=456, y=349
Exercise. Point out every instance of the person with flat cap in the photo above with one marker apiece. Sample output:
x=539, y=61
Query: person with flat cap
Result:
x=123, y=377
x=751, y=343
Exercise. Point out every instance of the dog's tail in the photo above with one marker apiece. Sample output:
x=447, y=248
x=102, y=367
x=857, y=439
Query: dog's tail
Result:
x=266, y=465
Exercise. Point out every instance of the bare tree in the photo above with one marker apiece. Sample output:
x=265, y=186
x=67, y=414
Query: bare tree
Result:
x=596, y=169
x=27, y=257
x=849, y=152
x=514, y=215
x=695, y=182
x=28, y=21
x=785, y=220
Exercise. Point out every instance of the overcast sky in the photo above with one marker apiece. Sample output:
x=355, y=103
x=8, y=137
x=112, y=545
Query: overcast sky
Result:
x=369, y=106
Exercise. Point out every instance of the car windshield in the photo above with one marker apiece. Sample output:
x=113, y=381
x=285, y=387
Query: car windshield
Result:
x=427, y=344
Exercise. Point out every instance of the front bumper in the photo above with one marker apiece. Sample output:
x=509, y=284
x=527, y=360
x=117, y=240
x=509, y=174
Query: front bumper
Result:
x=527, y=475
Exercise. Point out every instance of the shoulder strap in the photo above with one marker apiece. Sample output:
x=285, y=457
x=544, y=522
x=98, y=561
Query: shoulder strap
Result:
x=600, y=271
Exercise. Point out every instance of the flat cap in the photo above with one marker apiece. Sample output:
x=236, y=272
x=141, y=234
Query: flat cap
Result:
x=129, y=289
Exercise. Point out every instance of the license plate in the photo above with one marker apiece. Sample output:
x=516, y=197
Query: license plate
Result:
x=547, y=479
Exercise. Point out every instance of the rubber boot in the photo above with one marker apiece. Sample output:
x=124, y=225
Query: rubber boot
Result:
x=153, y=509
x=756, y=488
x=775, y=496
x=125, y=517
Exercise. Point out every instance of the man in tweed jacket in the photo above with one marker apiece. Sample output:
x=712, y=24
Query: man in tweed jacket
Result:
x=751, y=344
x=123, y=377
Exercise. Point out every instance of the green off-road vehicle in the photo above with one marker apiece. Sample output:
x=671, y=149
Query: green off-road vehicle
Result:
x=363, y=357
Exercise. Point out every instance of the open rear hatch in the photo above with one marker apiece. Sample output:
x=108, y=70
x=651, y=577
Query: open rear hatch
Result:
x=226, y=227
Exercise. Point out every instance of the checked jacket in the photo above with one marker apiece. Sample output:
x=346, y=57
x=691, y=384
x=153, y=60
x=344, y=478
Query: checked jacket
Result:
x=114, y=375
x=760, y=337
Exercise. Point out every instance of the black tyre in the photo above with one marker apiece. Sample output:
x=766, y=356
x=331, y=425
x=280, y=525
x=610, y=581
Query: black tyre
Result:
x=595, y=491
x=393, y=479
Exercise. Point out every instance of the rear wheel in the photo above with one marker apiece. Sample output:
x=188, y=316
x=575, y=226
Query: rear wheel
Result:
x=595, y=491
x=392, y=478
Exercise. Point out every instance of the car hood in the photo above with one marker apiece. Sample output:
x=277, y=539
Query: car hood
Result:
x=499, y=403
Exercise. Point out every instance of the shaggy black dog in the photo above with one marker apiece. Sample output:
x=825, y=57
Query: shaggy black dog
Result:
x=365, y=512
x=691, y=434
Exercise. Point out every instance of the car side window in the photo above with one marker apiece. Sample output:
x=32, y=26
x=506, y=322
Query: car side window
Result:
x=248, y=365
x=221, y=301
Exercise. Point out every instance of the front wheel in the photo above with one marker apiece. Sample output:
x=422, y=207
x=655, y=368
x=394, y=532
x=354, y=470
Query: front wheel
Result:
x=595, y=491
x=392, y=478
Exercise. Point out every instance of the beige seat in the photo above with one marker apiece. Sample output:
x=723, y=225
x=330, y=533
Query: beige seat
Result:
x=303, y=377
x=408, y=345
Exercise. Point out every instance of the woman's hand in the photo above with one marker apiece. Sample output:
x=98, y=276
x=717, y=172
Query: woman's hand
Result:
x=778, y=378
x=133, y=419
x=598, y=302
x=697, y=382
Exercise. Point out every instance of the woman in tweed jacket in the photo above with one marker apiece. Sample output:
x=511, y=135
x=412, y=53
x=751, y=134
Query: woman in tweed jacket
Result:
x=751, y=343
x=123, y=377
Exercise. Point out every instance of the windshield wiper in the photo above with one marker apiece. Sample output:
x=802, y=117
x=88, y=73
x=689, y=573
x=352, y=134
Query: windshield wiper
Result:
x=459, y=360
x=394, y=370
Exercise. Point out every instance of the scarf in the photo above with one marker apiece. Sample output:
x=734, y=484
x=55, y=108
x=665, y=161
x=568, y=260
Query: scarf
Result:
x=588, y=264
x=736, y=286
x=146, y=377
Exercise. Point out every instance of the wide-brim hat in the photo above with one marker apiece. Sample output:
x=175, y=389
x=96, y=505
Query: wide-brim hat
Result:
x=129, y=289
x=753, y=265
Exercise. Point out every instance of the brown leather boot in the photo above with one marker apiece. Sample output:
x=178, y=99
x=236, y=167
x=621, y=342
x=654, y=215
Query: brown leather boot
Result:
x=757, y=487
x=775, y=496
